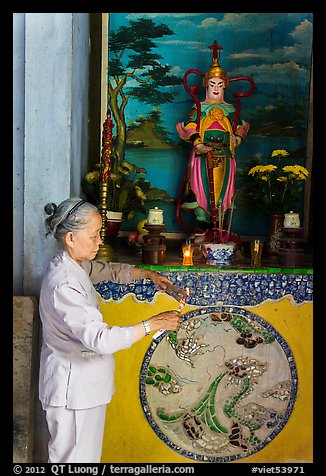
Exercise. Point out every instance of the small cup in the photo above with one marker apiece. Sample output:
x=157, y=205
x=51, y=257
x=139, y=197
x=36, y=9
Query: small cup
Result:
x=256, y=248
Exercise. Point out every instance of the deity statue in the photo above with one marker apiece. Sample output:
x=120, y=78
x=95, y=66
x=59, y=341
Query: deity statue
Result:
x=209, y=184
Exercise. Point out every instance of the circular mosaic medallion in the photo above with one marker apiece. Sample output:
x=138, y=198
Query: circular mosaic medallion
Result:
x=221, y=387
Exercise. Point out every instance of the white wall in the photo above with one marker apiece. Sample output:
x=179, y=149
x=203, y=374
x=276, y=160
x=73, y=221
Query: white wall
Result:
x=50, y=130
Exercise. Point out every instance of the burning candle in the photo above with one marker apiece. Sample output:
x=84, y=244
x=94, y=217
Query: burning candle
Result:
x=187, y=252
x=256, y=252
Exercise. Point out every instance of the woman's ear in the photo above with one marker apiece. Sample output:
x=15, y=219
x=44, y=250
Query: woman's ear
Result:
x=69, y=239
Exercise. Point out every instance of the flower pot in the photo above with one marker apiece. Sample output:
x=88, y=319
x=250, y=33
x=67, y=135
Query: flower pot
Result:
x=113, y=223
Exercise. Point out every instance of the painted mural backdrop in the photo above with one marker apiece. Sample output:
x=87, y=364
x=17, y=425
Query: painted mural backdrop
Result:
x=148, y=56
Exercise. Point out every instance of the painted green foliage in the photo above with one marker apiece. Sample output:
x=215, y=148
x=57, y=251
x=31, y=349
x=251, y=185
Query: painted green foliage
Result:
x=132, y=57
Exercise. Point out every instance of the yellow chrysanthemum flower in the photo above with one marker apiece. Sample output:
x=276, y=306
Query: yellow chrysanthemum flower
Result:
x=298, y=172
x=92, y=177
x=254, y=170
x=278, y=184
x=281, y=152
x=269, y=168
x=302, y=170
x=289, y=168
x=262, y=169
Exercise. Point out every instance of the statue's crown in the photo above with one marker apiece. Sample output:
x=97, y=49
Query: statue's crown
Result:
x=215, y=70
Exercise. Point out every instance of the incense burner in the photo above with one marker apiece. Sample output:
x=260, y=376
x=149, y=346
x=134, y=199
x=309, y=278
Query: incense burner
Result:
x=217, y=254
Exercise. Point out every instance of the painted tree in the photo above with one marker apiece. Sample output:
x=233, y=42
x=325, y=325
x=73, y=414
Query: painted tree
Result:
x=132, y=57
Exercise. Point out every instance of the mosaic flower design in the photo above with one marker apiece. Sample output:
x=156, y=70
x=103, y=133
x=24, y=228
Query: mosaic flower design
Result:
x=235, y=399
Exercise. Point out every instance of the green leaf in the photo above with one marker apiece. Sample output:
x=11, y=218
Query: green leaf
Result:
x=159, y=194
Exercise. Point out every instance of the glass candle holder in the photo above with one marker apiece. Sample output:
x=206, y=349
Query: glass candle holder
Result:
x=187, y=252
x=256, y=248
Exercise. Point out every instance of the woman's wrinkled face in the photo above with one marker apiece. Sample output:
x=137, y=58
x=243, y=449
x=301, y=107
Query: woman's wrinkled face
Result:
x=215, y=90
x=84, y=244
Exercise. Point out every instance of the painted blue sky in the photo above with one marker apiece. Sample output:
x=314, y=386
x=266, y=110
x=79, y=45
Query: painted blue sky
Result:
x=272, y=48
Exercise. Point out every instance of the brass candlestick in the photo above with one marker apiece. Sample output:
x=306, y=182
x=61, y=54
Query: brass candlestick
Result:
x=105, y=251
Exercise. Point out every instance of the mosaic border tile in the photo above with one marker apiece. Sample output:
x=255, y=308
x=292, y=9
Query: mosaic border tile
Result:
x=287, y=413
x=206, y=289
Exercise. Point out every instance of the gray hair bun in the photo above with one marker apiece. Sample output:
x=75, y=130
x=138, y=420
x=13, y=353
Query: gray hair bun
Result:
x=50, y=208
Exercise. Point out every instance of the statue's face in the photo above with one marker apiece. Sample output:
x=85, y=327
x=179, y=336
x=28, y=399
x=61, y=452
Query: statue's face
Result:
x=215, y=90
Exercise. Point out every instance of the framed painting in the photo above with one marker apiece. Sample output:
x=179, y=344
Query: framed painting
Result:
x=145, y=57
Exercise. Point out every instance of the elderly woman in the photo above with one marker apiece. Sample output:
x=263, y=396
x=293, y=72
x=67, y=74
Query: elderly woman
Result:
x=77, y=363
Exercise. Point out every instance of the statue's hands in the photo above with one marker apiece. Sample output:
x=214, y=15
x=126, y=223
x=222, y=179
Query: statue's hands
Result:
x=242, y=130
x=235, y=140
x=202, y=148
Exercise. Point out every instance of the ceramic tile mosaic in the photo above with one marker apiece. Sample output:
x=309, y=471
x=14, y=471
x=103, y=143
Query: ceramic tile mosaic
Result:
x=221, y=387
x=238, y=289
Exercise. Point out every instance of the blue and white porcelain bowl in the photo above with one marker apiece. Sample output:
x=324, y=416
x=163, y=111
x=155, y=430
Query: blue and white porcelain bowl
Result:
x=217, y=254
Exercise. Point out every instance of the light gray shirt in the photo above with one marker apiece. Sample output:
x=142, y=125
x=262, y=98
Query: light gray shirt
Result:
x=77, y=362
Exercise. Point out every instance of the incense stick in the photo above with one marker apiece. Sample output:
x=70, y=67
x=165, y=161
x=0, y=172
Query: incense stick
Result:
x=182, y=303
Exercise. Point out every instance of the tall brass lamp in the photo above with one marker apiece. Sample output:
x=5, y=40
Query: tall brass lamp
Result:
x=105, y=252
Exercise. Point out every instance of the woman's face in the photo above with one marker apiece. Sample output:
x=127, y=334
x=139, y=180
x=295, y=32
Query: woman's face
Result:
x=215, y=90
x=84, y=244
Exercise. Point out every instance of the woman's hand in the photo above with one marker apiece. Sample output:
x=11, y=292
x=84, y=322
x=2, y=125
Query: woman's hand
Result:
x=167, y=321
x=160, y=280
x=157, y=278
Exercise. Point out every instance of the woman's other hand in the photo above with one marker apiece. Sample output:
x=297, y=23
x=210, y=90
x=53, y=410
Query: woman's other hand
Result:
x=167, y=321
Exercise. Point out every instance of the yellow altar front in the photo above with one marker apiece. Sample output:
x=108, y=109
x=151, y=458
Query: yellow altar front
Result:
x=285, y=304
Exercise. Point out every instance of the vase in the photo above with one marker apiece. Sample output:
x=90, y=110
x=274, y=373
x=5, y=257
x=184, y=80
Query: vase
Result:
x=273, y=244
x=113, y=223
